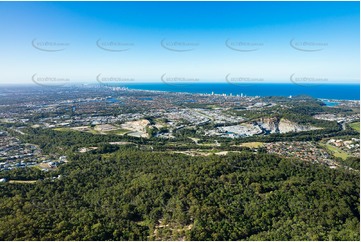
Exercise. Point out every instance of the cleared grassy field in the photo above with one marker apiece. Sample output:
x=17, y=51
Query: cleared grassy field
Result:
x=252, y=144
x=355, y=126
x=336, y=151
x=63, y=129
x=117, y=131
x=22, y=181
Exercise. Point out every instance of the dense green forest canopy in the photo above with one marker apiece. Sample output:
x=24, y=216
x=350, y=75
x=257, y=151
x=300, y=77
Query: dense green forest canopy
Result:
x=127, y=194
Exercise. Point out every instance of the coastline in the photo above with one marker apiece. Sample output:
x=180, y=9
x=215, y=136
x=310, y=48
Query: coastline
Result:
x=244, y=93
x=333, y=91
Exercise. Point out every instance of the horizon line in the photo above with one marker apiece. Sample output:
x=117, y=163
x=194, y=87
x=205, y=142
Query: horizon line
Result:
x=187, y=82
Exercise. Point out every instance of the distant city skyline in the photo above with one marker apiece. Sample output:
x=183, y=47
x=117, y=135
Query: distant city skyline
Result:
x=180, y=42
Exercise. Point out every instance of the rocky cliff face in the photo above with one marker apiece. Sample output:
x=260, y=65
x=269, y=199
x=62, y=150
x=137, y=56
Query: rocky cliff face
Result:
x=269, y=125
x=277, y=125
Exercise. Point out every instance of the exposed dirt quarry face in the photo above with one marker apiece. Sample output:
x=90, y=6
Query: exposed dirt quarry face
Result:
x=281, y=125
x=269, y=125
x=138, y=128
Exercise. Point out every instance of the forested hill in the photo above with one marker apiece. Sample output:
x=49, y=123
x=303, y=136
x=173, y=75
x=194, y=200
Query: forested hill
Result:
x=140, y=195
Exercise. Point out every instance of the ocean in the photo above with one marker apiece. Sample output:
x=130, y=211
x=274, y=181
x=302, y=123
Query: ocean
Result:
x=326, y=91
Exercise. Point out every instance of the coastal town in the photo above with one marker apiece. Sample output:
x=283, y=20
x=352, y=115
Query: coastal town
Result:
x=152, y=114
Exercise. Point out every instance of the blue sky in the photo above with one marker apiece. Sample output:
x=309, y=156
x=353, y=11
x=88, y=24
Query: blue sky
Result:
x=204, y=41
